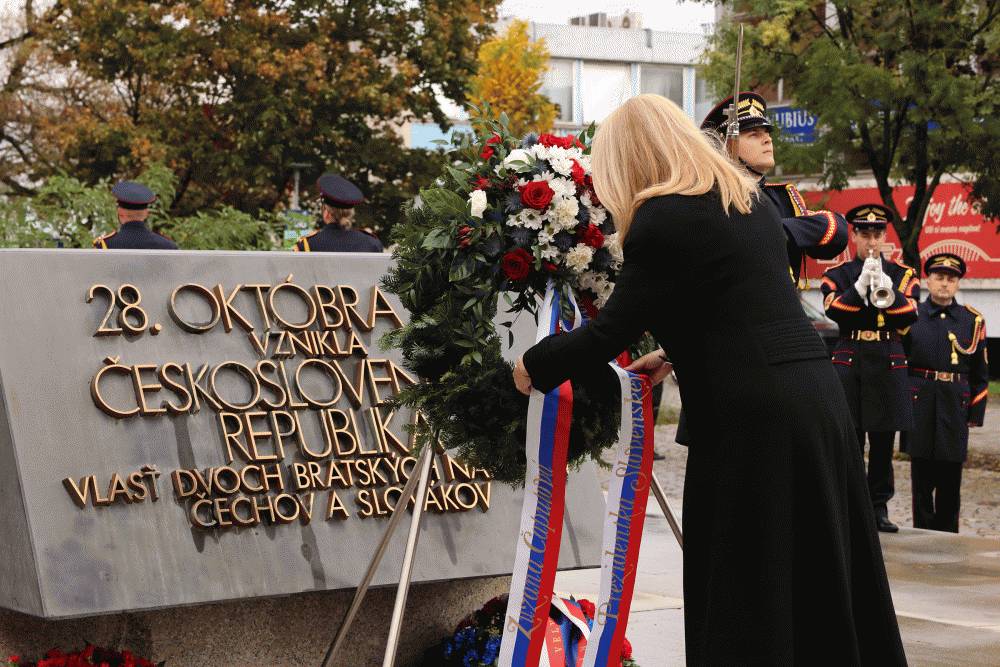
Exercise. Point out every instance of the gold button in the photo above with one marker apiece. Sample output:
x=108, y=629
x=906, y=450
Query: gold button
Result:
x=942, y=316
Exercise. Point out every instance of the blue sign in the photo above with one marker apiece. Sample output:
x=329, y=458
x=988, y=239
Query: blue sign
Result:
x=797, y=125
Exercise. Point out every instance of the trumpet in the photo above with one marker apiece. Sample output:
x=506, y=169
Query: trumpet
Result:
x=881, y=297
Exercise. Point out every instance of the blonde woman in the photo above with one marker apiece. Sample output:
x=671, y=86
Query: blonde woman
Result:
x=782, y=564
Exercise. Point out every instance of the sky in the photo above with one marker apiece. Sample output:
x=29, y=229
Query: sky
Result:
x=671, y=15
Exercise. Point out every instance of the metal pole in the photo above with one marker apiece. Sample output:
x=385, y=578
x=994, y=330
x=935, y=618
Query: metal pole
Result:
x=665, y=506
x=395, y=626
x=390, y=529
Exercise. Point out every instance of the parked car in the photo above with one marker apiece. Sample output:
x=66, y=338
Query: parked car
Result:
x=827, y=328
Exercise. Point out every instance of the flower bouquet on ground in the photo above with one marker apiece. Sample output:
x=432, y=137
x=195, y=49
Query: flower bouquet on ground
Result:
x=476, y=640
x=87, y=656
x=508, y=217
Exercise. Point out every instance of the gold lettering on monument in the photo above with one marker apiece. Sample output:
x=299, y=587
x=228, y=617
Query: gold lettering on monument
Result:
x=305, y=430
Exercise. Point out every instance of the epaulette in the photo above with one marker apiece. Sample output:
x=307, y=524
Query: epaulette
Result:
x=837, y=266
x=304, y=240
x=973, y=310
x=101, y=242
x=905, y=266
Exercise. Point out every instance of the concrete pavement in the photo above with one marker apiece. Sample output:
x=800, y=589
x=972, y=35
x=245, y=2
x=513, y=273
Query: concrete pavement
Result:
x=946, y=590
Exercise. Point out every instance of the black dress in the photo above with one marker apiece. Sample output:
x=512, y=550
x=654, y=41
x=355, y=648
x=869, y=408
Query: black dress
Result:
x=782, y=563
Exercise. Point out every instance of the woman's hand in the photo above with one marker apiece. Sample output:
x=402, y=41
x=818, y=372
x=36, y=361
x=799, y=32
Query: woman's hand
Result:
x=654, y=365
x=521, y=378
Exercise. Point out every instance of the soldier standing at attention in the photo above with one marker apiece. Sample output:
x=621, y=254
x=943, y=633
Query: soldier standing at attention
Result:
x=818, y=234
x=340, y=196
x=874, y=301
x=949, y=378
x=134, y=200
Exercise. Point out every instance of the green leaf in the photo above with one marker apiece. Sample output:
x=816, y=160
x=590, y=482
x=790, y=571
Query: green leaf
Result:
x=437, y=239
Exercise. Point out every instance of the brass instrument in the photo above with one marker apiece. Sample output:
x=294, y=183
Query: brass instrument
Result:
x=881, y=297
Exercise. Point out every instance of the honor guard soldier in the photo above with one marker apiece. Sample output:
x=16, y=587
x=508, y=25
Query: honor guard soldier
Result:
x=874, y=301
x=949, y=378
x=134, y=200
x=817, y=234
x=340, y=196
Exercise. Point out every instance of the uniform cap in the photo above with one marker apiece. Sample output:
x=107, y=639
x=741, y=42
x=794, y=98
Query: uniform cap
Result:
x=751, y=113
x=945, y=262
x=132, y=195
x=869, y=216
x=339, y=192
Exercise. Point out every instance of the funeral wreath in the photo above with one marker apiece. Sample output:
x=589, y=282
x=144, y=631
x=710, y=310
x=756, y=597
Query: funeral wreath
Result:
x=508, y=216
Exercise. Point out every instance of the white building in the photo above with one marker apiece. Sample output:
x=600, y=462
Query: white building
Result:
x=594, y=68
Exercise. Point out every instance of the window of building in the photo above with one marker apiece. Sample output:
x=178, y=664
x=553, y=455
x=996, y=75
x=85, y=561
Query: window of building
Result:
x=604, y=87
x=704, y=99
x=558, y=87
x=665, y=80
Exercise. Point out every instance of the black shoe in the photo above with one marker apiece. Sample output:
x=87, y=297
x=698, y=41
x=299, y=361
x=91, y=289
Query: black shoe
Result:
x=884, y=525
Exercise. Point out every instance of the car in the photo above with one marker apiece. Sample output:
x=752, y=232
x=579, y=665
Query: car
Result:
x=825, y=327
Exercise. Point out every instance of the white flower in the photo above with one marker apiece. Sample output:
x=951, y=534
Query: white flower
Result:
x=597, y=215
x=519, y=160
x=563, y=214
x=614, y=247
x=578, y=258
x=562, y=165
x=562, y=187
x=529, y=218
x=477, y=200
x=545, y=236
x=549, y=252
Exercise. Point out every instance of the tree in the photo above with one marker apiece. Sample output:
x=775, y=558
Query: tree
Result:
x=70, y=213
x=230, y=93
x=908, y=89
x=509, y=80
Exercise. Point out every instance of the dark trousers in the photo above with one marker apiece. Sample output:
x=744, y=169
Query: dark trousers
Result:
x=881, y=485
x=936, y=494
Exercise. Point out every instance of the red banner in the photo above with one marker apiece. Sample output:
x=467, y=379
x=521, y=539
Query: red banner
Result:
x=952, y=224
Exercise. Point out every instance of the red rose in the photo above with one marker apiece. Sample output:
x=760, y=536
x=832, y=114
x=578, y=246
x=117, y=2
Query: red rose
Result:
x=588, y=608
x=537, y=195
x=463, y=236
x=482, y=182
x=516, y=264
x=626, y=649
x=569, y=141
x=487, y=152
x=578, y=174
x=14, y=659
x=589, y=309
x=550, y=267
x=593, y=237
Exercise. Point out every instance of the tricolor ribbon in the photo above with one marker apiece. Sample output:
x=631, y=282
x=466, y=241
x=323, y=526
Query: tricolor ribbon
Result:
x=528, y=640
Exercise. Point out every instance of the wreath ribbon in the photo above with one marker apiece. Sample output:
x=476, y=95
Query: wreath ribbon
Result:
x=537, y=554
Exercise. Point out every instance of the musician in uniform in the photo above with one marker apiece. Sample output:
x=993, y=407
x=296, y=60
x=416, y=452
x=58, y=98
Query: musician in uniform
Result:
x=949, y=379
x=134, y=200
x=340, y=196
x=874, y=300
x=817, y=234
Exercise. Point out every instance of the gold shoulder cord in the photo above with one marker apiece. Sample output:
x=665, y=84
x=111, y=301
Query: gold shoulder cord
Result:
x=956, y=348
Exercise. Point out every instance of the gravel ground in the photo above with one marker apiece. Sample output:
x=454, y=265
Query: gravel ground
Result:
x=980, y=513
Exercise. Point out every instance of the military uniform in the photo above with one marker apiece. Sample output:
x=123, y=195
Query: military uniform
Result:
x=338, y=192
x=949, y=381
x=135, y=234
x=869, y=356
x=818, y=234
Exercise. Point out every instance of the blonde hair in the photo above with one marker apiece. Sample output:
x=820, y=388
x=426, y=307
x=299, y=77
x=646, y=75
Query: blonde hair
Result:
x=648, y=147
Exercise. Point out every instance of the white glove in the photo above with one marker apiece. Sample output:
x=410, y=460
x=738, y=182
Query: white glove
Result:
x=886, y=282
x=862, y=285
